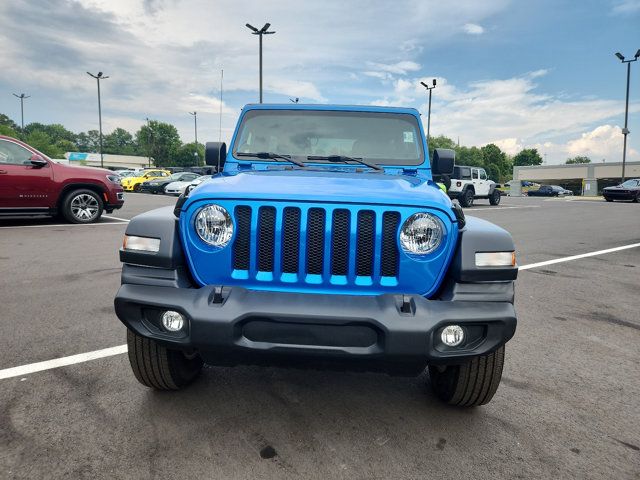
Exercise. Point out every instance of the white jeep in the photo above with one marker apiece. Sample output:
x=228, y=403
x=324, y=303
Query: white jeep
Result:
x=469, y=183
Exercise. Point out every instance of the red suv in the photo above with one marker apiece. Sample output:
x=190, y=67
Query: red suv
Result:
x=33, y=184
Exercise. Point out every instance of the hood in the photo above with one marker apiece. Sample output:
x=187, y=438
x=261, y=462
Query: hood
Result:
x=324, y=186
x=86, y=170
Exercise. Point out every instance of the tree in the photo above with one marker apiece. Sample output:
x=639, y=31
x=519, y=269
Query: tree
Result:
x=496, y=162
x=578, y=159
x=8, y=131
x=160, y=140
x=88, y=142
x=42, y=142
x=526, y=157
x=471, y=156
x=7, y=122
x=186, y=158
x=440, y=142
x=54, y=131
x=119, y=142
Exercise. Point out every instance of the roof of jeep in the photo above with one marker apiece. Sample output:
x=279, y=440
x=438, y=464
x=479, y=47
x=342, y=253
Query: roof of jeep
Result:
x=342, y=108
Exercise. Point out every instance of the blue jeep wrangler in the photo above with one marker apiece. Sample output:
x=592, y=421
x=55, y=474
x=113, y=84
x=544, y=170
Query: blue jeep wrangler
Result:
x=324, y=242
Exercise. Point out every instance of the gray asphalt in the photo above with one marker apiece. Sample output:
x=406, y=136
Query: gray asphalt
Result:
x=568, y=406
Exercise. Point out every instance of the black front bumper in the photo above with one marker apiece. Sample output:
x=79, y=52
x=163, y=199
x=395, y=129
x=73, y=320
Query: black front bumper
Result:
x=247, y=326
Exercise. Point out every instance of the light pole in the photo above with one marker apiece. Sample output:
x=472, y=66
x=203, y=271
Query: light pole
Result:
x=429, y=114
x=99, y=77
x=149, y=136
x=195, y=128
x=22, y=96
x=625, y=130
x=262, y=31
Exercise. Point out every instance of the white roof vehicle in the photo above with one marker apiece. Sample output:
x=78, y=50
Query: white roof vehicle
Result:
x=178, y=188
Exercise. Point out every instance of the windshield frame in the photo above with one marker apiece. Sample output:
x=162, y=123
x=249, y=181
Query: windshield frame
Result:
x=412, y=118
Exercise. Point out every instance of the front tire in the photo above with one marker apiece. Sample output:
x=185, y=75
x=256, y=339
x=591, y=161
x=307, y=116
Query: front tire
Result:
x=636, y=198
x=470, y=384
x=136, y=187
x=494, y=199
x=608, y=199
x=466, y=199
x=158, y=367
x=82, y=206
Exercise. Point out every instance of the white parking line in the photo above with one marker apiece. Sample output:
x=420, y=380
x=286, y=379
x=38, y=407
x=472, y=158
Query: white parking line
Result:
x=474, y=209
x=49, y=225
x=577, y=257
x=120, y=349
x=61, y=362
x=117, y=218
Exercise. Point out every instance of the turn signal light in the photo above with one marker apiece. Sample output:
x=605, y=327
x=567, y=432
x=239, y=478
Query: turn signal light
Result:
x=495, y=259
x=141, y=244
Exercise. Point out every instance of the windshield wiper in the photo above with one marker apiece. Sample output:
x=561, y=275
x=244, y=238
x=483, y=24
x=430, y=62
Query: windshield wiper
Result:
x=345, y=159
x=273, y=156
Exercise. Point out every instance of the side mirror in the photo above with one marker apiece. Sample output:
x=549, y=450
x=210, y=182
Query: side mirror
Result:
x=215, y=154
x=443, y=161
x=37, y=161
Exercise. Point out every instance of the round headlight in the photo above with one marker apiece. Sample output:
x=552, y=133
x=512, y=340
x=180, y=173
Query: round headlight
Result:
x=421, y=234
x=214, y=225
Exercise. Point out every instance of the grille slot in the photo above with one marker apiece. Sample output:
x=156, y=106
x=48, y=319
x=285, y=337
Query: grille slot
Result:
x=365, y=239
x=315, y=241
x=266, y=238
x=340, y=242
x=389, y=254
x=242, y=244
x=290, y=240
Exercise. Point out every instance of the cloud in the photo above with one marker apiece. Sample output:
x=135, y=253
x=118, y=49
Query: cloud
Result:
x=473, y=29
x=626, y=7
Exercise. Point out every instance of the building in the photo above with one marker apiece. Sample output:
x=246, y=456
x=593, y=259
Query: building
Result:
x=114, y=162
x=584, y=178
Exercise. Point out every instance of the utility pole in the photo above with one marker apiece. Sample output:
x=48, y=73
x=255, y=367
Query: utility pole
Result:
x=22, y=96
x=429, y=114
x=260, y=33
x=148, y=141
x=195, y=128
x=99, y=77
x=625, y=130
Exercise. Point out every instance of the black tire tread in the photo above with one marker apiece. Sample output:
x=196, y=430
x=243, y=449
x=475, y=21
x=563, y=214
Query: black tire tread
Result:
x=473, y=383
x=157, y=367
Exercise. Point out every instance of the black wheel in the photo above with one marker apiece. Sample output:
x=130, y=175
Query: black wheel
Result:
x=636, y=198
x=158, y=367
x=608, y=199
x=466, y=199
x=136, y=187
x=470, y=384
x=494, y=199
x=82, y=206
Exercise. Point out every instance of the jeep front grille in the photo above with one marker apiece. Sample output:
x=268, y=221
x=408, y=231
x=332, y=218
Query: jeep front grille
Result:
x=313, y=241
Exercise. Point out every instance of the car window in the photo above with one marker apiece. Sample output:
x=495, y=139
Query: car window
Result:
x=14, y=154
x=483, y=175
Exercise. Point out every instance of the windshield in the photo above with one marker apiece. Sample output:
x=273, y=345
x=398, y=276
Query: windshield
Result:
x=630, y=183
x=381, y=138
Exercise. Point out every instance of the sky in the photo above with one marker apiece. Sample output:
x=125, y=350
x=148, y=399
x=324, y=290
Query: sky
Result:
x=520, y=74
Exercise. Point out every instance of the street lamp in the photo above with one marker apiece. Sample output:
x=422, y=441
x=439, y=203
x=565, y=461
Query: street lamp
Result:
x=625, y=130
x=262, y=31
x=429, y=114
x=99, y=77
x=195, y=127
x=22, y=96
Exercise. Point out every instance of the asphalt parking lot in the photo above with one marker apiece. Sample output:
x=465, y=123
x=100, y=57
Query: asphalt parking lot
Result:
x=568, y=406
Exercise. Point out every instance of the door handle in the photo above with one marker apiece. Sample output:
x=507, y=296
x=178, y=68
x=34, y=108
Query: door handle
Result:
x=3, y=172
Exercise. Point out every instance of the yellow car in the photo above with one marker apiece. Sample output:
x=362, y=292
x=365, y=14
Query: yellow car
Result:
x=132, y=184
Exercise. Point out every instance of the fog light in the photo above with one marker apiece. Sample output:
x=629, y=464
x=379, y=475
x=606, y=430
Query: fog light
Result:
x=452, y=336
x=172, y=321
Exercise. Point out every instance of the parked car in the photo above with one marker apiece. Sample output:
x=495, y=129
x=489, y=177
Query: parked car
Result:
x=33, y=184
x=157, y=184
x=300, y=256
x=133, y=183
x=629, y=190
x=178, y=188
x=470, y=183
x=549, y=191
x=125, y=173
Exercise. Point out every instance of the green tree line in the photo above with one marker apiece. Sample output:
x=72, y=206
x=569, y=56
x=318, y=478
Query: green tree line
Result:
x=158, y=140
